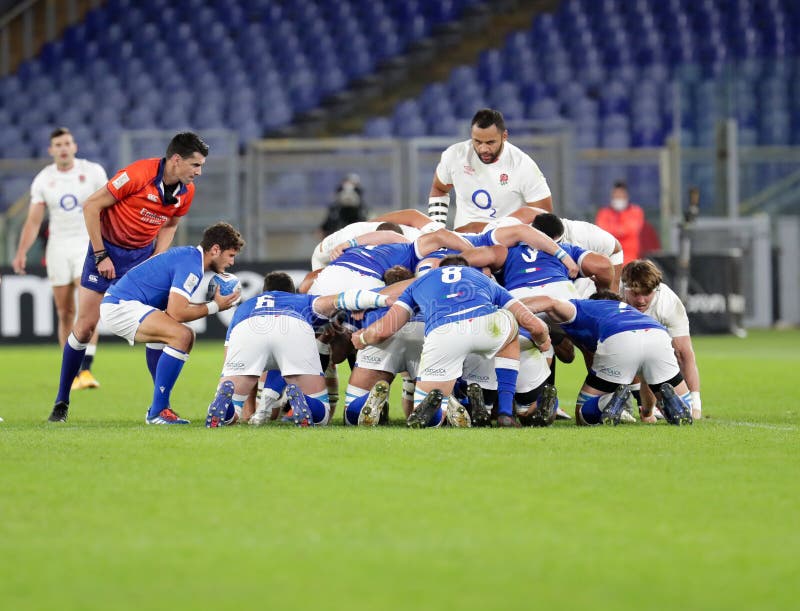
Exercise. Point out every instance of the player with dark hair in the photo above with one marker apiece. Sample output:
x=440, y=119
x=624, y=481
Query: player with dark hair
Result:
x=132, y=218
x=623, y=341
x=60, y=189
x=275, y=332
x=465, y=312
x=150, y=303
x=491, y=176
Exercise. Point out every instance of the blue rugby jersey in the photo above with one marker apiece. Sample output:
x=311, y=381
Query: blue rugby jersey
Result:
x=526, y=266
x=179, y=269
x=598, y=319
x=449, y=294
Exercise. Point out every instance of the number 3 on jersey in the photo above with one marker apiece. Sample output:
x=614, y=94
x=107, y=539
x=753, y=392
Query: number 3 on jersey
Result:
x=483, y=200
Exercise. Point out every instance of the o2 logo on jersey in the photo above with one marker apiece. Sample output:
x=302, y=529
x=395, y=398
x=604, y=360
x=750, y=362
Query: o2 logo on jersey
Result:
x=483, y=200
x=68, y=202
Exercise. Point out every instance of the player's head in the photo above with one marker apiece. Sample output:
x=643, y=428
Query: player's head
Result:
x=488, y=130
x=640, y=278
x=453, y=261
x=62, y=147
x=186, y=154
x=550, y=225
x=222, y=243
x=279, y=281
x=619, y=195
x=390, y=227
x=397, y=273
x=606, y=295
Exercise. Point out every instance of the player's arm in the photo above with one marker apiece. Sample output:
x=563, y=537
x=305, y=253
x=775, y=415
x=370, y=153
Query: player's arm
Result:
x=27, y=236
x=373, y=238
x=439, y=200
x=599, y=268
x=545, y=204
x=179, y=308
x=684, y=352
x=527, y=213
x=92, y=207
x=473, y=227
x=443, y=238
x=535, y=326
x=557, y=309
x=308, y=281
x=166, y=234
x=617, y=257
x=408, y=216
x=493, y=257
x=514, y=234
x=352, y=300
x=383, y=328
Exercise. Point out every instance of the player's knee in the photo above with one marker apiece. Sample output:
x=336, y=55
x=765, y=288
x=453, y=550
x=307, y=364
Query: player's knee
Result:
x=181, y=337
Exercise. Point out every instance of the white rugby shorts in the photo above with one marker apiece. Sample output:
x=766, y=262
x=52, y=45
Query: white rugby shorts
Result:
x=123, y=318
x=336, y=278
x=401, y=352
x=447, y=346
x=620, y=356
x=261, y=343
x=65, y=261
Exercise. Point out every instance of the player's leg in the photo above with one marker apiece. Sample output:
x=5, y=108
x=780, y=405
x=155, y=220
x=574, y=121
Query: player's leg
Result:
x=226, y=407
x=600, y=402
x=75, y=349
x=179, y=338
x=661, y=365
x=308, y=397
x=64, y=299
x=367, y=396
x=295, y=352
x=535, y=398
x=268, y=402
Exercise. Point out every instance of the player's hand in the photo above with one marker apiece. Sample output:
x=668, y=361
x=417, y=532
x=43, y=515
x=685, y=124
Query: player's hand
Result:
x=226, y=302
x=572, y=268
x=338, y=250
x=545, y=345
x=106, y=269
x=19, y=264
x=647, y=416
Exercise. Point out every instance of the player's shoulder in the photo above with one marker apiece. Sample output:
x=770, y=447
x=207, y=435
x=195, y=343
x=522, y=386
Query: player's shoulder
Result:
x=517, y=155
x=89, y=166
x=46, y=172
x=141, y=169
x=459, y=150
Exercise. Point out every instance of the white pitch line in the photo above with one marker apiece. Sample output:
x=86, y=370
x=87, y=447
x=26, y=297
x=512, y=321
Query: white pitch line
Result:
x=761, y=425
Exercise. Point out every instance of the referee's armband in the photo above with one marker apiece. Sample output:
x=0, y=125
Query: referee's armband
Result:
x=437, y=207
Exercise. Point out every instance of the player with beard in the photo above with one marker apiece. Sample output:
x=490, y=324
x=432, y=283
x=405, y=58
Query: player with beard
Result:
x=150, y=303
x=491, y=176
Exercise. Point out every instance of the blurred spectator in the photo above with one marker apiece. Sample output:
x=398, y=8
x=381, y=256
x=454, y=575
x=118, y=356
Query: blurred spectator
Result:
x=624, y=220
x=347, y=207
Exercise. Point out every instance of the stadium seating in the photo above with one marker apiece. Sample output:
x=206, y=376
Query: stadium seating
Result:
x=631, y=58
x=247, y=65
x=623, y=72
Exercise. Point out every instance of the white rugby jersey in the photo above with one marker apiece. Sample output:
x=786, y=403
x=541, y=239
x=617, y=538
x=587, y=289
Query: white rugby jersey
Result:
x=667, y=308
x=322, y=252
x=490, y=191
x=64, y=194
x=589, y=236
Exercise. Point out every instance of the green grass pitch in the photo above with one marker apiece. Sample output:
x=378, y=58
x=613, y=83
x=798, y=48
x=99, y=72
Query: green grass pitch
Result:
x=105, y=513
